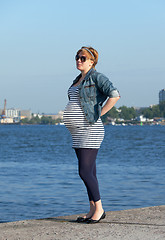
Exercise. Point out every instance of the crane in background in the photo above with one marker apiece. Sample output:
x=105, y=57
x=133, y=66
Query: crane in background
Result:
x=4, y=110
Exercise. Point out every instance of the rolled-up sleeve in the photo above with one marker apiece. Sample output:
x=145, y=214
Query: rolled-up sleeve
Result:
x=106, y=86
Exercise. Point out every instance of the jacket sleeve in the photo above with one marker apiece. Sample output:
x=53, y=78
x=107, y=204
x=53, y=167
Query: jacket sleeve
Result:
x=106, y=86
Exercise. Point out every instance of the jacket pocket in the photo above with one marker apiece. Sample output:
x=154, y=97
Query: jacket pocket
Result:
x=90, y=91
x=90, y=86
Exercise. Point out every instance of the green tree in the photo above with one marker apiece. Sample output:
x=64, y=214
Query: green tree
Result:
x=127, y=113
x=35, y=120
x=113, y=113
x=147, y=112
x=46, y=120
x=155, y=111
x=24, y=120
x=162, y=108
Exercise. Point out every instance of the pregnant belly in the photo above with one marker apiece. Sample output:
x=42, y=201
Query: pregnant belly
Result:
x=73, y=116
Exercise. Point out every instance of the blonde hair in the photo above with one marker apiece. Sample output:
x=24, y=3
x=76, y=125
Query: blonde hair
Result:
x=93, y=55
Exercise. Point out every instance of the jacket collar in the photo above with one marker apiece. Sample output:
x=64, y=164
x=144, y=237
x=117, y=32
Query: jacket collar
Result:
x=89, y=73
x=92, y=70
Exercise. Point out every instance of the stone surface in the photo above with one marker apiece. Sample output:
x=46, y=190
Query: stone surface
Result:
x=134, y=224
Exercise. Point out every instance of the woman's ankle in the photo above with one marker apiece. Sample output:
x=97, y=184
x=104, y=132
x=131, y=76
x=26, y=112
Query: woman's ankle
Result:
x=92, y=206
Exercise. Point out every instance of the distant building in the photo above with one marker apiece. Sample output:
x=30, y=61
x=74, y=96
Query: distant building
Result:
x=37, y=115
x=13, y=113
x=26, y=114
x=141, y=118
x=17, y=113
x=55, y=116
x=162, y=95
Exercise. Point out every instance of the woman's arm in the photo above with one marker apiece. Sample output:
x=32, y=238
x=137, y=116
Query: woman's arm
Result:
x=109, y=104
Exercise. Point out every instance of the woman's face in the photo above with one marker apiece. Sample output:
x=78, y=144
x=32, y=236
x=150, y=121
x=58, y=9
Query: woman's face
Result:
x=82, y=65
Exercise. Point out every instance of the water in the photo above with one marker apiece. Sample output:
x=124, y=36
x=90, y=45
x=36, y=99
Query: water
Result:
x=39, y=179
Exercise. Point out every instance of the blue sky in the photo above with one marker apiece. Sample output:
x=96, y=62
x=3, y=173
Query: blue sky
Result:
x=39, y=40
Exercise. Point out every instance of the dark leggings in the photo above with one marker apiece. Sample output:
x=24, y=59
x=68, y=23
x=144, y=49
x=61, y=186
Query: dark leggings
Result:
x=87, y=171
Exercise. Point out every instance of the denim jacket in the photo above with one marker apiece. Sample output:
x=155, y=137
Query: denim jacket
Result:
x=93, y=91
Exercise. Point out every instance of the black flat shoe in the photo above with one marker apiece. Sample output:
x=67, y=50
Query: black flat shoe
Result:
x=82, y=219
x=91, y=221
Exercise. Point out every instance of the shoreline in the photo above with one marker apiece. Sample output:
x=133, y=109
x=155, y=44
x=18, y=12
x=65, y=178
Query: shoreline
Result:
x=61, y=124
x=142, y=223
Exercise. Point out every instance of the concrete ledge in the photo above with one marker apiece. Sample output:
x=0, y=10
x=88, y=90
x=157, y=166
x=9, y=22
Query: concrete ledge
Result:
x=135, y=224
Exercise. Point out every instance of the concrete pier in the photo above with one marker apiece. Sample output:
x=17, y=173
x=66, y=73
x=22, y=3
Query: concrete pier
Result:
x=135, y=224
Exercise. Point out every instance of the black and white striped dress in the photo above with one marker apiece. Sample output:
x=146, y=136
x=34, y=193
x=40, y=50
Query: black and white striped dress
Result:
x=83, y=134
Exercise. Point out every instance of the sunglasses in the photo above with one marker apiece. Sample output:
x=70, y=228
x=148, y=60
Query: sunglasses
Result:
x=82, y=58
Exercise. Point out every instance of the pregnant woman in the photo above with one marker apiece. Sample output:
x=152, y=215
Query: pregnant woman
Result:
x=81, y=116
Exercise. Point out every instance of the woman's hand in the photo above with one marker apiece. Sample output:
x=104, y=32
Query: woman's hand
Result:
x=109, y=104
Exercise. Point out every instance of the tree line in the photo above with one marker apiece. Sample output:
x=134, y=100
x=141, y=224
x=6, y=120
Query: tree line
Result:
x=155, y=111
x=130, y=113
x=42, y=120
x=123, y=113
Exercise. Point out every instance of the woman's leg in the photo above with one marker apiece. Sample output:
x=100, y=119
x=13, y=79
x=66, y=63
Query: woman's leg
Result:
x=87, y=171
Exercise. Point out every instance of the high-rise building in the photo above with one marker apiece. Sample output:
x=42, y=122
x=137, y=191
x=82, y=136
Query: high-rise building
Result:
x=162, y=95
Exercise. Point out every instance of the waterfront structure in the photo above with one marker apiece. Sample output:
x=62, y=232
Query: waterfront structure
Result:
x=12, y=113
x=59, y=115
x=3, y=115
x=141, y=118
x=162, y=95
x=6, y=120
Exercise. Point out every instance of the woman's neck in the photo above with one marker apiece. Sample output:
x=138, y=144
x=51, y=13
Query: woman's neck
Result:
x=84, y=72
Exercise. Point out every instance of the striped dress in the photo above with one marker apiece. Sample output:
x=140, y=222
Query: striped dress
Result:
x=83, y=134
